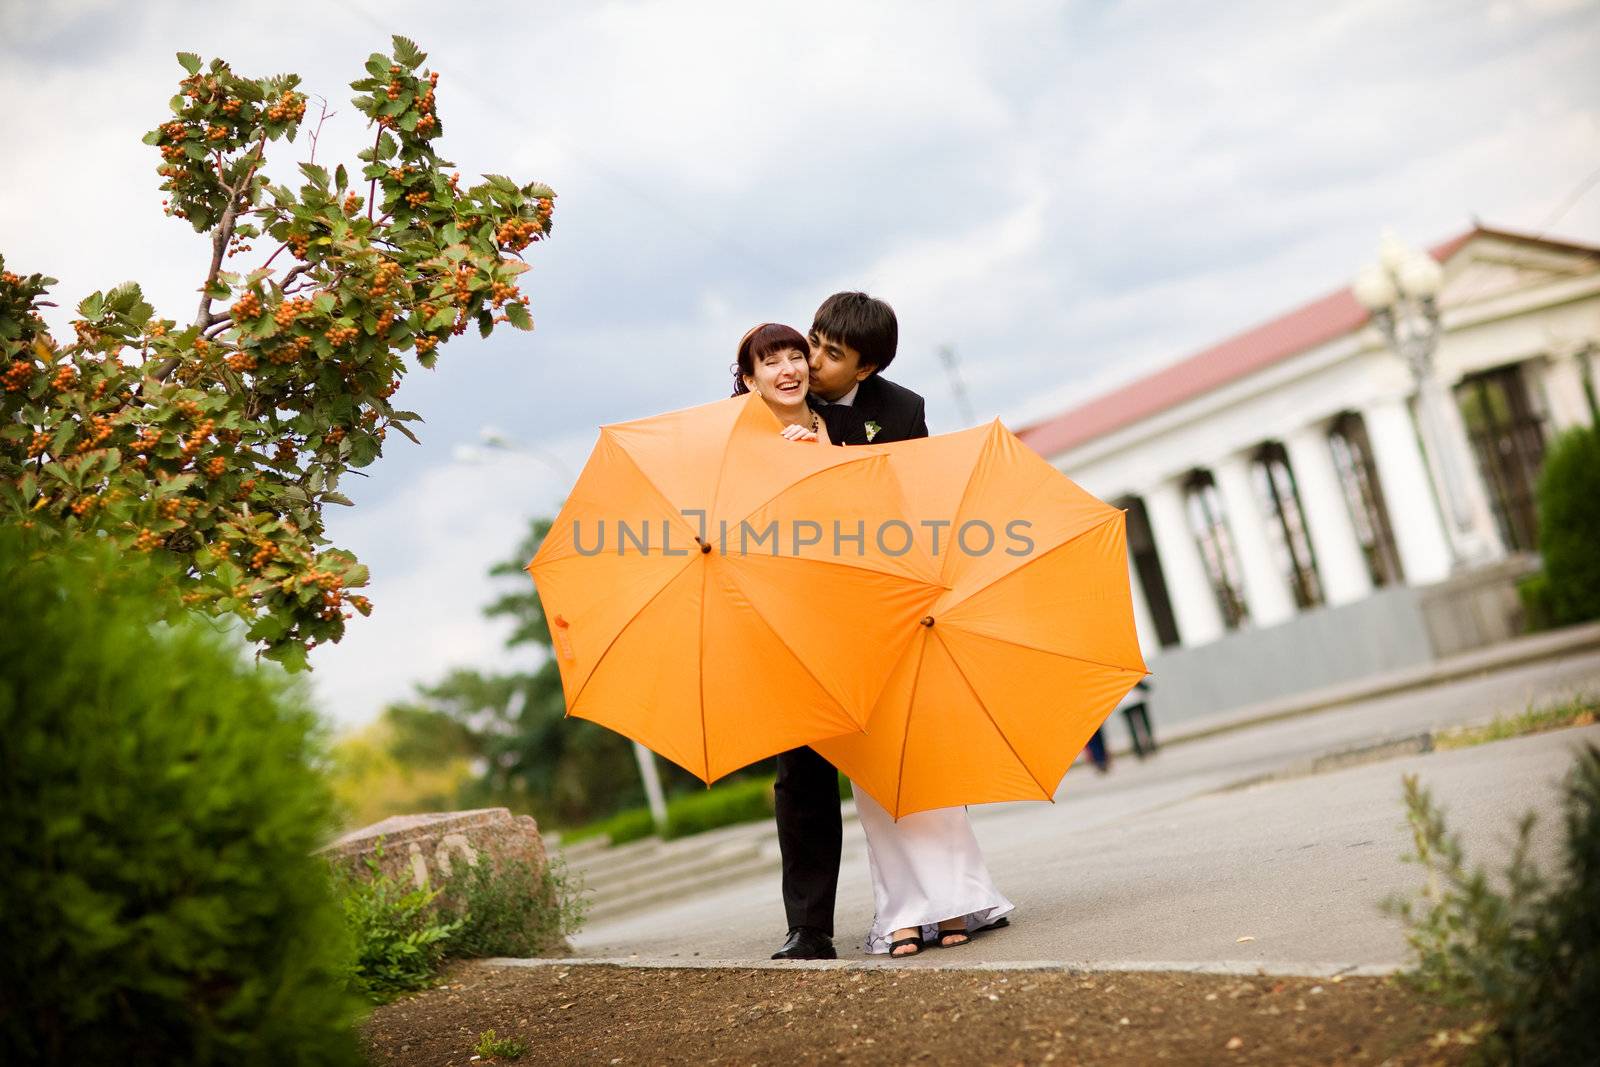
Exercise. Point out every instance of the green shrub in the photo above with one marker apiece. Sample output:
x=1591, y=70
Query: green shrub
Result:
x=399, y=933
x=160, y=903
x=634, y=824
x=1525, y=959
x=723, y=805
x=490, y=1047
x=505, y=909
x=1569, y=527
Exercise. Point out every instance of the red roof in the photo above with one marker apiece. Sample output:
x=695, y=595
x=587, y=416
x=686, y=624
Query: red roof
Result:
x=1304, y=328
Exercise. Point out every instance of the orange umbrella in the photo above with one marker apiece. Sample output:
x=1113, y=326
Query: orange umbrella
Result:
x=1025, y=653
x=699, y=599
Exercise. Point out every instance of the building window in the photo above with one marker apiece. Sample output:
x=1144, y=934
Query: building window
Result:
x=1286, y=523
x=1363, y=497
x=1147, y=565
x=1209, y=525
x=1507, y=438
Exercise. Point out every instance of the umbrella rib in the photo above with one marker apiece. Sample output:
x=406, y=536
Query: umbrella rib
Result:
x=905, y=734
x=997, y=579
x=774, y=632
x=1047, y=794
x=1046, y=651
x=847, y=461
x=600, y=662
x=705, y=743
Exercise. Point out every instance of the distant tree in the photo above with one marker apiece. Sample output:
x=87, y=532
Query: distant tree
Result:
x=219, y=443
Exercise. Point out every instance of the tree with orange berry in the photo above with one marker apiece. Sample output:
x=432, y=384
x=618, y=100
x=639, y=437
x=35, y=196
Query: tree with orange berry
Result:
x=218, y=444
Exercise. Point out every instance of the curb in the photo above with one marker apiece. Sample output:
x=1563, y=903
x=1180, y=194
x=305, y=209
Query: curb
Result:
x=1221, y=967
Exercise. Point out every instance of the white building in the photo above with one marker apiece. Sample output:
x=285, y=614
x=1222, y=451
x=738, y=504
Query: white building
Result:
x=1289, y=527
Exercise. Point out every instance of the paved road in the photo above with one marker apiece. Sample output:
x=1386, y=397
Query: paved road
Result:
x=1170, y=860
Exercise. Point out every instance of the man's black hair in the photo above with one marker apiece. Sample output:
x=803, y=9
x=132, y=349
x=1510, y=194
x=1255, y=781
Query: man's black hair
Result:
x=864, y=323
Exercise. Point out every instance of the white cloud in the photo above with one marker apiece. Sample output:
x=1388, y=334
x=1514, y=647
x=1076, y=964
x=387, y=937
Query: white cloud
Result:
x=1067, y=193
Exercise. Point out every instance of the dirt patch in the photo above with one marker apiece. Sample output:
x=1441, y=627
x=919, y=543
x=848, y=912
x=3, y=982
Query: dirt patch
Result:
x=620, y=1015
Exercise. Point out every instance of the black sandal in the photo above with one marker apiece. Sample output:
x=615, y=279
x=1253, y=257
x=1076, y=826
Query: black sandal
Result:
x=966, y=938
x=917, y=941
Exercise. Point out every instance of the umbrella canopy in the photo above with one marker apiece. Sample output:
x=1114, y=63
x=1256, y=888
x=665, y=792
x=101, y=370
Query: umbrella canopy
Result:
x=701, y=598
x=1024, y=654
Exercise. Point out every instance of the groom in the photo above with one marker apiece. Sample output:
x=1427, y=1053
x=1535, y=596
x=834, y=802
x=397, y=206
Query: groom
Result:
x=853, y=339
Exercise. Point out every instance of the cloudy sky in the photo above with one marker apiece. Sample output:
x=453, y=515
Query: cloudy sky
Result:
x=1066, y=193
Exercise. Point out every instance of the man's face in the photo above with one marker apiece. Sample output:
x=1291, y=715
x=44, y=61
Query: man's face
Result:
x=835, y=367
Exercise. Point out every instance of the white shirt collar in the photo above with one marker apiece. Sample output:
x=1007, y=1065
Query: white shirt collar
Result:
x=849, y=399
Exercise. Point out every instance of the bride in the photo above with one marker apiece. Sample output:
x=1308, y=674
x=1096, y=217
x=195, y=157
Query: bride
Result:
x=929, y=882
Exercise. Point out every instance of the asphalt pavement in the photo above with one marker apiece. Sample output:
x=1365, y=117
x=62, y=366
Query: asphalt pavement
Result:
x=1232, y=850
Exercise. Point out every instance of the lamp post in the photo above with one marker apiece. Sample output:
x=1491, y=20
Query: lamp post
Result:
x=494, y=441
x=1401, y=291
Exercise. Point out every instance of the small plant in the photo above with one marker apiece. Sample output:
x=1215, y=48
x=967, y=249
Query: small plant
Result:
x=505, y=909
x=499, y=1048
x=400, y=935
x=735, y=802
x=1525, y=959
x=1569, y=524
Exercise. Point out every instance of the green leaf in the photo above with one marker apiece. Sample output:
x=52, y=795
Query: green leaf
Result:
x=485, y=323
x=317, y=175
x=341, y=179
x=517, y=315
x=407, y=52
x=338, y=498
x=387, y=145
x=190, y=62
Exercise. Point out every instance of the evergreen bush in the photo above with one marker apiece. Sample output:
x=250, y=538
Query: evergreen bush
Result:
x=160, y=903
x=1569, y=530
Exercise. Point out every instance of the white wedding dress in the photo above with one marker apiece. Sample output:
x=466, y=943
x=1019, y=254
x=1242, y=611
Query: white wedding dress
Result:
x=925, y=868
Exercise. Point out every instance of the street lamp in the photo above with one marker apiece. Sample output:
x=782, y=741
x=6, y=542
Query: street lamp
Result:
x=1401, y=291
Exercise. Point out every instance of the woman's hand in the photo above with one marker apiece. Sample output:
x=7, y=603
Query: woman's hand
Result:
x=799, y=433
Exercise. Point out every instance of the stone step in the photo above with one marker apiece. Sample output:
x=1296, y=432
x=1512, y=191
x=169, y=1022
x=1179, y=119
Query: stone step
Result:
x=681, y=865
x=683, y=885
x=598, y=864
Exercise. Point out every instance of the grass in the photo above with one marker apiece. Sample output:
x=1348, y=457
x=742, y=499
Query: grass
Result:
x=499, y=1048
x=727, y=804
x=1580, y=712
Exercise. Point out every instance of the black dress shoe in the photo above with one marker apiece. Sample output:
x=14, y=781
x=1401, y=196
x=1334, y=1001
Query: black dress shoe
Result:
x=806, y=944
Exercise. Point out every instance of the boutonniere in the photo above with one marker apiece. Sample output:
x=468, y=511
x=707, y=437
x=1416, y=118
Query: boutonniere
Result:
x=872, y=431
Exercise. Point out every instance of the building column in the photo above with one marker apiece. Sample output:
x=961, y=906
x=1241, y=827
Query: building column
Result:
x=1472, y=531
x=1266, y=590
x=1143, y=624
x=1407, y=489
x=1194, y=602
x=1340, y=563
x=1565, y=396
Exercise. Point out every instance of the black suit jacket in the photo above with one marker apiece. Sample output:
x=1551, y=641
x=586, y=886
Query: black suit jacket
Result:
x=898, y=412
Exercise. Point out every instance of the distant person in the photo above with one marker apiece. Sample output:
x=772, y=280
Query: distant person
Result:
x=1097, y=751
x=1136, y=712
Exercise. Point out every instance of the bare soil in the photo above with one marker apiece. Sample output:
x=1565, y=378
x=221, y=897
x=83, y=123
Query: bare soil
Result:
x=620, y=1015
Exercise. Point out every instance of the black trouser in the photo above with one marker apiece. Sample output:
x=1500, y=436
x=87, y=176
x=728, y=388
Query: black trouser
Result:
x=810, y=836
x=1144, y=739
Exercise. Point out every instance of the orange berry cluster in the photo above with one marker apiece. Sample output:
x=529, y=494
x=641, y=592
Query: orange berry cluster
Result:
x=197, y=440
x=64, y=377
x=247, y=306
x=188, y=409
x=427, y=124
x=265, y=553
x=385, y=320
x=352, y=203
x=167, y=507
x=37, y=446
x=298, y=243
x=215, y=466
x=426, y=345
x=147, y=541
x=290, y=310
x=516, y=234
x=387, y=273
x=240, y=362
x=333, y=436
x=84, y=504
x=247, y=487
x=291, y=106
x=99, y=430
x=87, y=334
x=418, y=198
x=285, y=354
x=339, y=336
x=216, y=133
x=18, y=375
x=148, y=438
x=501, y=292
x=232, y=105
